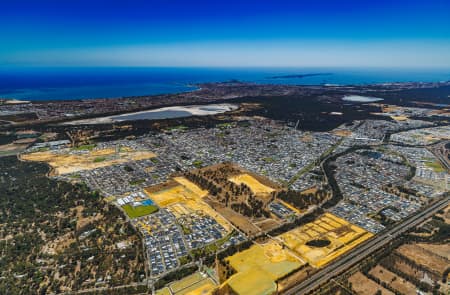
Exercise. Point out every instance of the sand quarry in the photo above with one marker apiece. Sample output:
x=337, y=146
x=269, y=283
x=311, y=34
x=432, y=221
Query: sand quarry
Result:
x=67, y=161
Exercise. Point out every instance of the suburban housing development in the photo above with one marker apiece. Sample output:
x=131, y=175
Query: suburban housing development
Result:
x=255, y=205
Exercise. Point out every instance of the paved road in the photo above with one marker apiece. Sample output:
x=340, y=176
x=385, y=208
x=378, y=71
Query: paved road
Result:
x=439, y=151
x=364, y=250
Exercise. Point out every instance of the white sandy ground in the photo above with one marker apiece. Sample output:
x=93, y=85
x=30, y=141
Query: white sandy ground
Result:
x=194, y=110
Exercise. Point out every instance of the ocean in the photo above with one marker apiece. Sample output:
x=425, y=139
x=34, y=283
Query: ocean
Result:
x=87, y=83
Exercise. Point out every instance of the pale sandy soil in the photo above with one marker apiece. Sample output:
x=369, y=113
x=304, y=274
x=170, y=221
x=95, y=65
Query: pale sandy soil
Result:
x=423, y=257
x=63, y=163
x=393, y=280
x=362, y=285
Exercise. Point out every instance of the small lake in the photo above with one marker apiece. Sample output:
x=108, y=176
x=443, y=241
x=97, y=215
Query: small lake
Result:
x=161, y=113
x=167, y=114
x=359, y=98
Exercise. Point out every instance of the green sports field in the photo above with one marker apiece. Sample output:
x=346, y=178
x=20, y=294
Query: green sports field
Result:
x=138, y=211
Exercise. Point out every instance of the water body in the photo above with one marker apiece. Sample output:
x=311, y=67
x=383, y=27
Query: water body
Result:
x=161, y=113
x=359, y=98
x=153, y=115
x=85, y=83
x=374, y=155
x=147, y=202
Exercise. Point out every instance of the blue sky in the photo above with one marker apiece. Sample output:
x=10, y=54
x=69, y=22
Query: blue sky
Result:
x=225, y=33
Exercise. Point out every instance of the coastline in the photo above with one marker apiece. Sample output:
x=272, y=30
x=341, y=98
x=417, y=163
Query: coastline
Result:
x=81, y=84
x=39, y=112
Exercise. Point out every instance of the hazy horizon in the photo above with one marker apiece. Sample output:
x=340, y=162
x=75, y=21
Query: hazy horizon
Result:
x=404, y=34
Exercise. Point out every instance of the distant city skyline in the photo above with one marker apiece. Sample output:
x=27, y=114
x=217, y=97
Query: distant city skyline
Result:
x=226, y=34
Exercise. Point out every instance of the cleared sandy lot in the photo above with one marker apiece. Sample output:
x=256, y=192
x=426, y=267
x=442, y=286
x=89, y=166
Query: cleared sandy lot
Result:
x=66, y=161
x=393, y=280
x=260, y=266
x=340, y=235
x=362, y=285
x=255, y=185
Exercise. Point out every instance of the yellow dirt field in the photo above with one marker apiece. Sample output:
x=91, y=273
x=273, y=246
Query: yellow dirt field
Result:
x=399, y=118
x=204, y=287
x=191, y=186
x=255, y=185
x=110, y=199
x=289, y=206
x=66, y=161
x=390, y=108
x=343, y=133
x=184, y=198
x=171, y=196
x=186, y=282
x=195, y=284
x=343, y=236
x=163, y=291
x=307, y=138
x=259, y=267
x=312, y=190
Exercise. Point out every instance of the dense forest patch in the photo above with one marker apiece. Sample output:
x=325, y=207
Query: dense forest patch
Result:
x=56, y=237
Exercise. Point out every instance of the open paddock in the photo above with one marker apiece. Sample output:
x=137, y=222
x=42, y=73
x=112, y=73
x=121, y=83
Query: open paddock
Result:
x=362, y=285
x=139, y=211
x=294, y=278
x=186, y=282
x=239, y=221
x=163, y=291
x=259, y=267
x=267, y=224
x=409, y=270
x=160, y=187
x=170, y=196
x=252, y=183
x=396, y=282
x=191, y=186
x=423, y=257
x=67, y=161
x=194, y=284
x=204, y=287
x=442, y=250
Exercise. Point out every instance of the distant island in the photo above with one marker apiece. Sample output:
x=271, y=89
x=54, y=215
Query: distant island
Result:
x=300, y=76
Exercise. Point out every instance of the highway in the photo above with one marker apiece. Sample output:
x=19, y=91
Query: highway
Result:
x=359, y=253
x=439, y=151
